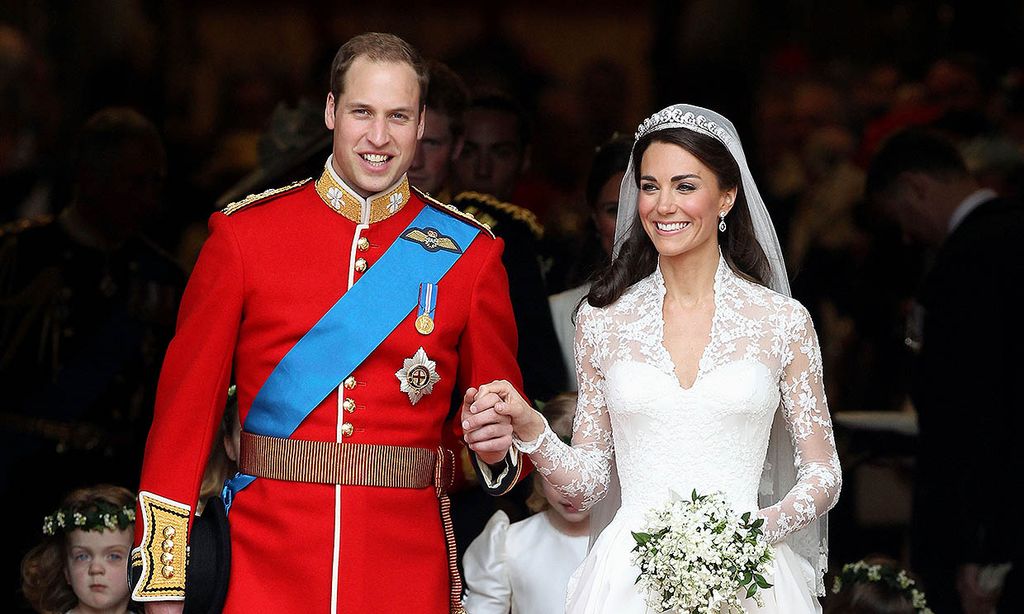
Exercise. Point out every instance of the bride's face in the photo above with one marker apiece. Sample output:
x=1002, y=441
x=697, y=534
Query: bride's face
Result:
x=679, y=200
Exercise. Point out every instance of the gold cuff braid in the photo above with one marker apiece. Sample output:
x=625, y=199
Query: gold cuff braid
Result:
x=163, y=550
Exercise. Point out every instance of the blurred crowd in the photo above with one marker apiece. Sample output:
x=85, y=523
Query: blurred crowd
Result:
x=99, y=230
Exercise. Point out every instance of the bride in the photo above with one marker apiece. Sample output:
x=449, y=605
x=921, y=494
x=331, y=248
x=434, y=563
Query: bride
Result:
x=696, y=370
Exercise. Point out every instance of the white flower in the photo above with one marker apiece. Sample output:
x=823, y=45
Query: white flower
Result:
x=394, y=202
x=334, y=194
x=693, y=554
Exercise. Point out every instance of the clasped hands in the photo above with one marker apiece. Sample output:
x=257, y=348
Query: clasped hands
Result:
x=491, y=414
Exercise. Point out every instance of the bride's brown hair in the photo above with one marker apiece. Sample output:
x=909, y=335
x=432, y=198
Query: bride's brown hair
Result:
x=637, y=256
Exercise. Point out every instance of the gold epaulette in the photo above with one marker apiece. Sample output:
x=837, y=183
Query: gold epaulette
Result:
x=519, y=213
x=18, y=226
x=238, y=205
x=163, y=551
x=430, y=200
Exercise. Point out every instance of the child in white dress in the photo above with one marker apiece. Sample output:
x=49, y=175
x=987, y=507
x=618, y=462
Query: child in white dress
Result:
x=524, y=567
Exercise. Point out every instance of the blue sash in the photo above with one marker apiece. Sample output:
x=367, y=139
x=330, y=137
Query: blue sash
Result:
x=351, y=329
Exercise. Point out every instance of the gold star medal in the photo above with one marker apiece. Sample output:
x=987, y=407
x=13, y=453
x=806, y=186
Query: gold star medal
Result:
x=418, y=376
x=427, y=305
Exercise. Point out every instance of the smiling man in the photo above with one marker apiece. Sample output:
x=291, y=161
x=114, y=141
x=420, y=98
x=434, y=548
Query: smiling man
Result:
x=348, y=310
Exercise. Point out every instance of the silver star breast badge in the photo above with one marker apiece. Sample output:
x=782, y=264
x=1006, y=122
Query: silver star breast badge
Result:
x=418, y=376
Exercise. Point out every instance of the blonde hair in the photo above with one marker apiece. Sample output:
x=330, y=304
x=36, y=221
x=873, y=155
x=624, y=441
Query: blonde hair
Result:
x=559, y=413
x=42, y=569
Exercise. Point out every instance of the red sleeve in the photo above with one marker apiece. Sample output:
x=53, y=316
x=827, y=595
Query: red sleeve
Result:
x=196, y=372
x=487, y=350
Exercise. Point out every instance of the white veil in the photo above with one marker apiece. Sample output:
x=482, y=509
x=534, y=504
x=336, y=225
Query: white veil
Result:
x=780, y=470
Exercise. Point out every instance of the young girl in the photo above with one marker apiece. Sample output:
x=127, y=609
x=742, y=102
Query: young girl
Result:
x=81, y=565
x=525, y=567
x=876, y=585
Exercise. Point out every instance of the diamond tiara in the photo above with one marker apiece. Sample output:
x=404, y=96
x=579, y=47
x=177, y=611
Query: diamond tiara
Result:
x=677, y=118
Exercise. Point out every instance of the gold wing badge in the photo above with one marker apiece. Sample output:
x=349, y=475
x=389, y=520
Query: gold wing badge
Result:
x=432, y=240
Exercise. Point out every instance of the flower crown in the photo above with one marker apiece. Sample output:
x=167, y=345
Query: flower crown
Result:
x=861, y=572
x=96, y=516
x=677, y=118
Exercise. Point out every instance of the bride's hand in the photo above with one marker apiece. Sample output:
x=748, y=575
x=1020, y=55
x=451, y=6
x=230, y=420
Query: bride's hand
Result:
x=502, y=397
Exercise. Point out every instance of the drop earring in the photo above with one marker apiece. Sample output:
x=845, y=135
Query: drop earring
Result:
x=721, y=221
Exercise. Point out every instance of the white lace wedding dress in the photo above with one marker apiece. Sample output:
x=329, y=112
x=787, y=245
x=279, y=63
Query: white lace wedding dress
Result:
x=712, y=436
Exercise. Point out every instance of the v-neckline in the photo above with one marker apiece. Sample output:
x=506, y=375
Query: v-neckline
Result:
x=670, y=363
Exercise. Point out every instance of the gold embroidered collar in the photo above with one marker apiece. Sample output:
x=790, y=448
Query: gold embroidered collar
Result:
x=347, y=202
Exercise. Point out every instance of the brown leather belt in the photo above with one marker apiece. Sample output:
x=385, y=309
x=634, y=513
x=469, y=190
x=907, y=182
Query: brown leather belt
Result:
x=329, y=462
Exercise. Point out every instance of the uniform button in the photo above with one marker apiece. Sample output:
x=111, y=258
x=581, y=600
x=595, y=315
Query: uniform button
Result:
x=168, y=545
x=166, y=558
x=168, y=532
x=168, y=571
x=363, y=244
x=348, y=405
x=350, y=383
x=360, y=265
x=347, y=429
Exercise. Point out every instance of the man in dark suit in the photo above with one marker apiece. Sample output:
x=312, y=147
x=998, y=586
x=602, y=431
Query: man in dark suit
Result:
x=965, y=535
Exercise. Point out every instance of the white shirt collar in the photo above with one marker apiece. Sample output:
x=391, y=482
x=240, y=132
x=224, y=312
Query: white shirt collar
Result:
x=973, y=200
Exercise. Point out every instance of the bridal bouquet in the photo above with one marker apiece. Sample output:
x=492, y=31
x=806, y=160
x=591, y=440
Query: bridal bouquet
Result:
x=698, y=556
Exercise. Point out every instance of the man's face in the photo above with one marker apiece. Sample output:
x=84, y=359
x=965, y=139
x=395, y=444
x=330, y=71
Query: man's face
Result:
x=376, y=122
x=436, y=151
x=492, y=157
x=124, y=192
x=910, y=203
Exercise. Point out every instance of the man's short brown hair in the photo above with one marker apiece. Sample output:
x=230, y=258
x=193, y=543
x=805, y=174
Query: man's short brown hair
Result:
x=448, y=95
x=377, y=47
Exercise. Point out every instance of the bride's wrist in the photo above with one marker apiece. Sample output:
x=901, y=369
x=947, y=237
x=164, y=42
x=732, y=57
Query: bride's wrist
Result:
x=527, y=435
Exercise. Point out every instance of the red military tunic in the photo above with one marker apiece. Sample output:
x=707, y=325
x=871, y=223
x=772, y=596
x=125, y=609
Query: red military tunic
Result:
x=273, y=265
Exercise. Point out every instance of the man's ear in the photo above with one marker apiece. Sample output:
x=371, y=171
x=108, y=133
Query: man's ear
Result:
x=525, y=166
x=457, y=147
x=329, y=111
x=422, y=123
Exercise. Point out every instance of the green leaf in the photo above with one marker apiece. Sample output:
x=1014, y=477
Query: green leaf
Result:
x=641, y=538
x=759, y=579
x=745, y=578
x=745, y=517
x=751, y=590
x=694, y=495
x=757, y=523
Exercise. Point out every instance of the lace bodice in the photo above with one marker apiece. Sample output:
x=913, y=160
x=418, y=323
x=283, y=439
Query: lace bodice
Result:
x=712, y=436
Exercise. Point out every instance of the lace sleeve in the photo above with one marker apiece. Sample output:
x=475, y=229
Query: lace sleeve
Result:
x=582, y=471
x=805, y=410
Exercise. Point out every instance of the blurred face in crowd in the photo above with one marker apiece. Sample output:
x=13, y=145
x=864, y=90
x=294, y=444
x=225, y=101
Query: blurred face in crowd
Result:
x=437, y=149
x=605, y=210
x=492, y=156
x=121, y=189
x=376, y=122
x=679, y=200
x=911, y=203
x=97, y=568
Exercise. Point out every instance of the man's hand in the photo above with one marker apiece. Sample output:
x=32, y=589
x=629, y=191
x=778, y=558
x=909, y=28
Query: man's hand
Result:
x=498, y=403
x=487, y=433
x=165, y=607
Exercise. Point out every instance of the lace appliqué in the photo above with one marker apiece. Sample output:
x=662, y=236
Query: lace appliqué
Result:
x=758, y=337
